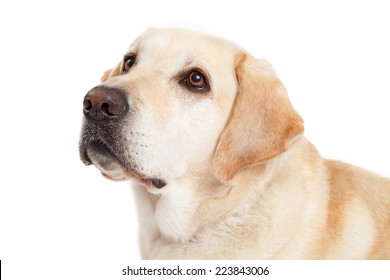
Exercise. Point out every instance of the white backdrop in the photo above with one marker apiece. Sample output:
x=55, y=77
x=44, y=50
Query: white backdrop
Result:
x=59, y=218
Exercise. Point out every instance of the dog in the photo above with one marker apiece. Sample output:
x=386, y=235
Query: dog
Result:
x=220, y=164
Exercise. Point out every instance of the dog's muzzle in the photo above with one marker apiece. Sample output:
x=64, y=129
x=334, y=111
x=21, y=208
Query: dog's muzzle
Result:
x=104, y=109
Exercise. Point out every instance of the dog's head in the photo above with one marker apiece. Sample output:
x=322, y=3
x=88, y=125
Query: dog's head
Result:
x=181, y=104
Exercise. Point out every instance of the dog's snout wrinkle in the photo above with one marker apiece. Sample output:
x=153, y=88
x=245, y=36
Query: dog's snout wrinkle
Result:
x=104, y=103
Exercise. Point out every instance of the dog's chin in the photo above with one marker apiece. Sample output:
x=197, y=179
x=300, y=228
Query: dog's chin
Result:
x=101, y=156
x=110, y=166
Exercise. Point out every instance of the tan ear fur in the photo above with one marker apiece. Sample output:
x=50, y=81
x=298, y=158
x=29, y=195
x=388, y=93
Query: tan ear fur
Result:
x=262, y=123
x=111, y=73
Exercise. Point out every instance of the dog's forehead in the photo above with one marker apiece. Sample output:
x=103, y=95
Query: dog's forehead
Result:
x=184, y=45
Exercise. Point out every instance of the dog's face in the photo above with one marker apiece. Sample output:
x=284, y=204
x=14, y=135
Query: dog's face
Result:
x=180, y=104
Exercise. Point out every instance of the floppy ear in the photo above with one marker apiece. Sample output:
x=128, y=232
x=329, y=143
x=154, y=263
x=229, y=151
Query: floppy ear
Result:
x=110, y=73
x=262, y=123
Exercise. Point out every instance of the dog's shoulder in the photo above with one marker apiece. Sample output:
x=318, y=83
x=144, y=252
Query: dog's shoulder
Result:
x=359, y=207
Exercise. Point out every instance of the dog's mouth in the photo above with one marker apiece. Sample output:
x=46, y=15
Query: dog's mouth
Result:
x=112, y=167
x=98, y=154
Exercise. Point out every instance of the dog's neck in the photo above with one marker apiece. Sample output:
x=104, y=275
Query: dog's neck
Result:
x=185, y=206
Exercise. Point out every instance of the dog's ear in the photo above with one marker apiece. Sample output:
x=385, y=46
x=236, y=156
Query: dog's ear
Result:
x=262, y=123
x=111, y=73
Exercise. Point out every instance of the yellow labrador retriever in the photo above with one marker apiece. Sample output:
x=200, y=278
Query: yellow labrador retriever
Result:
x=220, y=164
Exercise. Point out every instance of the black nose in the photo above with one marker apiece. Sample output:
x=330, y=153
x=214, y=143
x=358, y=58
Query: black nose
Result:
x=105, y=103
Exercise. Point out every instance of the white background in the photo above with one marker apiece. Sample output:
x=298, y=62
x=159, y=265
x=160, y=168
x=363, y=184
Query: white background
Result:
x=62, y=220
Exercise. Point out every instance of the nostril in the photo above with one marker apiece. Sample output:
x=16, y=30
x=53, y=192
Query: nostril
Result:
x=106, y=109
x=87, y=104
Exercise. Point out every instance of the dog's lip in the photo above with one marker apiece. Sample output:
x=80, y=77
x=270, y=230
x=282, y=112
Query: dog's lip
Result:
x=97, y=148
x=100, y=154
x=85, y=158
x=105, y=160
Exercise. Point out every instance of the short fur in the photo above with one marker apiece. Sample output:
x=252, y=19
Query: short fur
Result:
x=242, y=181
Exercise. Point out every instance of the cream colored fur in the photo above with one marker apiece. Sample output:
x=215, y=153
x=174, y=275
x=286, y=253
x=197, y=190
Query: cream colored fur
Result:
x=242, y=180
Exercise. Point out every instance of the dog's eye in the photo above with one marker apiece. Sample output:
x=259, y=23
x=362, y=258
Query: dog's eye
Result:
x=128, y=62
x=196, y=81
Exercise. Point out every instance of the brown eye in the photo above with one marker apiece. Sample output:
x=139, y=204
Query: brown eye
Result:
x=128, y=62
x=196, y=81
